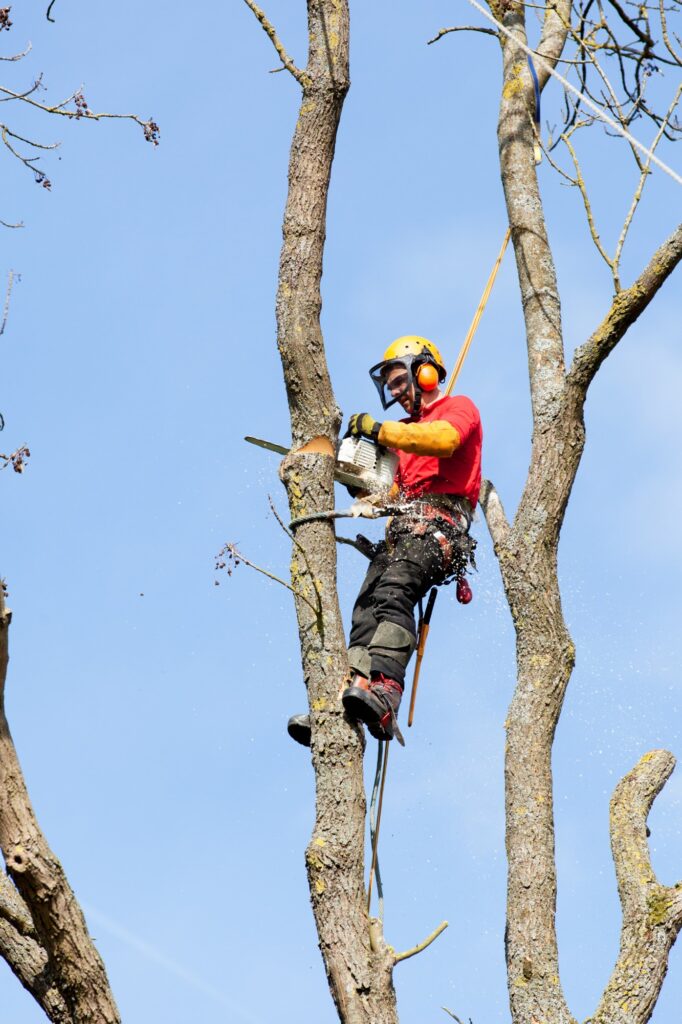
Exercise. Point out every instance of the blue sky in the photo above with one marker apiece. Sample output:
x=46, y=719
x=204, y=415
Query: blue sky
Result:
x=148, y=704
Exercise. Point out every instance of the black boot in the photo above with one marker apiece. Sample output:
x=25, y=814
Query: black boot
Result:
x=376, y=704
x=298, y=728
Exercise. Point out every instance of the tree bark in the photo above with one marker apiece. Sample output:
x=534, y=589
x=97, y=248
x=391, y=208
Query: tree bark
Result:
x=359, y=977
x=74, y=963
x=527, y=555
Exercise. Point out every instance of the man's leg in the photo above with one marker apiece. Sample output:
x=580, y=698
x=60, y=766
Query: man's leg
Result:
x=414, y=565
x=363, y=627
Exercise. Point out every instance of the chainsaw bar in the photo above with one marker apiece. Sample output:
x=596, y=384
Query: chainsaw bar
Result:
x=344, y=473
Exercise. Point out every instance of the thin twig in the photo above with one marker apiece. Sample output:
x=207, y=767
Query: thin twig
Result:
x=580, y=182
x=666, y=37
x=22, y=95
x=300, y=76
x=300, y=547
x=5, y=314
x=640, y=188
x=453, y=1015
x=28, y=161
x=463, y=28
x=238, y=557
x=18, y=56
x=150, y=128
x=17, y=460
x=422, y=945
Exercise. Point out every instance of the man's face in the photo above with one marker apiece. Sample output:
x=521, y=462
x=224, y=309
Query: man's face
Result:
x=397, y=380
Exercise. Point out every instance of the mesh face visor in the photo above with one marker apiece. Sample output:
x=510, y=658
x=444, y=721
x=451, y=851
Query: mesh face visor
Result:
x=392, y=379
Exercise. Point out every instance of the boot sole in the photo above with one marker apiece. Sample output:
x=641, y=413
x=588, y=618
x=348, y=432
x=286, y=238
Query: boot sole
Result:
x=299, y=730
x=359, y=708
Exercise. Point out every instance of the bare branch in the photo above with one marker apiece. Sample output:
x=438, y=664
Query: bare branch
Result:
x=666, y=38
x=450, y=1012
x=235, y=556
x=580, y=182
x=463, y=28
x=150, y=128
x=294, y=540
x=286, y=60
x=652, y=913
x=422, y=945
x=8, y=295
x=625, y=308
x=22, y=95
x=13, y=908
x=19, y=56
x=640, y=187
x=29, y=963
x=632, y=24
x=17, y=460
x=28, y=161
x=553, y=39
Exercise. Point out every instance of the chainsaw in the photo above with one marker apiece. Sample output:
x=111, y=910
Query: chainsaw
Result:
x=360, y=463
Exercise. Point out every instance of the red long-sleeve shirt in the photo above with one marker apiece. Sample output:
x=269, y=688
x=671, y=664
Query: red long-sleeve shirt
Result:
x=458, y=473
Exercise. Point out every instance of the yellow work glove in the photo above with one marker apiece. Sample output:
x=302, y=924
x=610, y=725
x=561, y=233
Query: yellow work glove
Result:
x=361, y=424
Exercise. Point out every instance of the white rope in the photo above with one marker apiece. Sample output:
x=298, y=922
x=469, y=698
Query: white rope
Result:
x=585, y=99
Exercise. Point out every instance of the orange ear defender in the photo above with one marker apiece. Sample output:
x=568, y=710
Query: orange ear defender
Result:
x=427, y=377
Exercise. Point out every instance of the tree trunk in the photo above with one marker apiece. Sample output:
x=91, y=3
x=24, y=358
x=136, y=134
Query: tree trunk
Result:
x=359, y=977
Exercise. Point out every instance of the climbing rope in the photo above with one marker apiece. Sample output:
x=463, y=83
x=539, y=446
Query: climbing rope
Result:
x=374, y=822
x=464, y=351
x=382, y=765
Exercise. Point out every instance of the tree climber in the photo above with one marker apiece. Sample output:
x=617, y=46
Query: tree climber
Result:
x=436, y=488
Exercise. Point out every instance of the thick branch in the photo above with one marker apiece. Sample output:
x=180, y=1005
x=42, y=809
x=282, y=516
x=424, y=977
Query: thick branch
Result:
x=535, y=265
x=28, y=961
x=625, y=309
x=652, y=913
x=553, y=39
x=39, y=877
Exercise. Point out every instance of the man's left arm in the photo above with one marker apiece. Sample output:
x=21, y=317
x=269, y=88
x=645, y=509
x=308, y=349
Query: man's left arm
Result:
x=440, y=438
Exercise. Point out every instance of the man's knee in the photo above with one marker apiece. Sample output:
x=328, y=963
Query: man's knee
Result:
x=392, y=641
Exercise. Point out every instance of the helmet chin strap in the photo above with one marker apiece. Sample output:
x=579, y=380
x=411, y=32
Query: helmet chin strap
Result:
x=416, y=408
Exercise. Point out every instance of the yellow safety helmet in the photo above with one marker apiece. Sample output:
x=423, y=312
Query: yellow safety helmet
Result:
x=419, y=356
x=413, y=345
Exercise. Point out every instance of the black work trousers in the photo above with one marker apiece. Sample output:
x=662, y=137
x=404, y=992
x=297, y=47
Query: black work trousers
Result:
x=398, y=576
